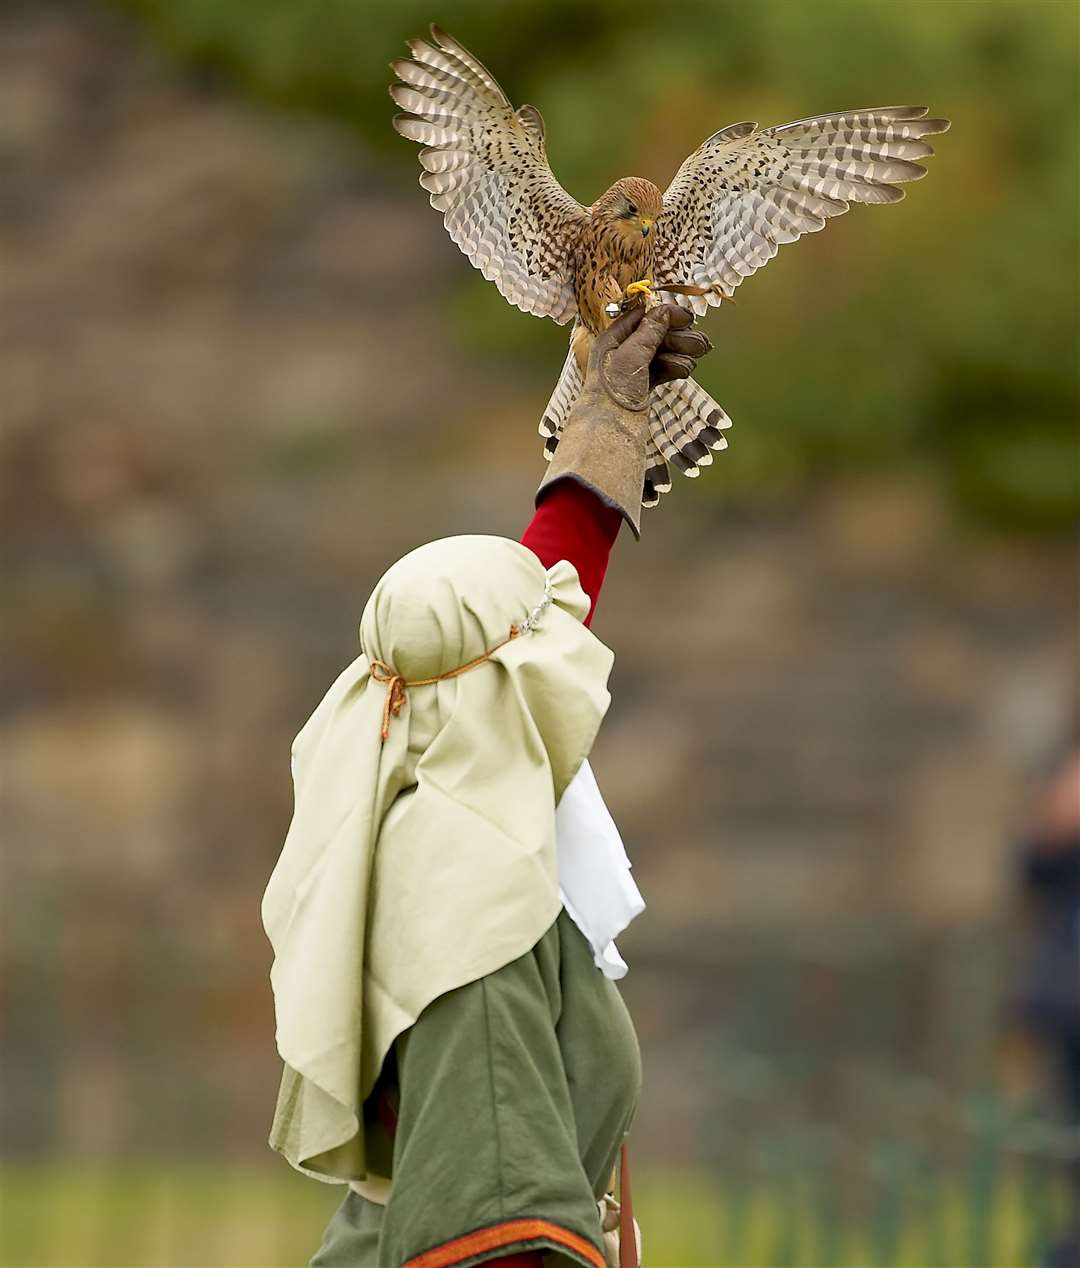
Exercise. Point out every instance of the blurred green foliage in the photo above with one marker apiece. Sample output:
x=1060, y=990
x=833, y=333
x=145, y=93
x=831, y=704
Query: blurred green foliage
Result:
x=941, y=333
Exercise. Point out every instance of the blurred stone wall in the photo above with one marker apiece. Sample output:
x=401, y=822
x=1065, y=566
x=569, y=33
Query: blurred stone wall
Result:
x=230, y=394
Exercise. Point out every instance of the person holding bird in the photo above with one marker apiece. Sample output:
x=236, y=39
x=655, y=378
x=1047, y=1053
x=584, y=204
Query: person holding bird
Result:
x=444, y=909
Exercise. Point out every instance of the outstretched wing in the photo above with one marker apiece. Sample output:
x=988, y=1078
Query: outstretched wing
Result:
x=743, y=192
x=487, y=172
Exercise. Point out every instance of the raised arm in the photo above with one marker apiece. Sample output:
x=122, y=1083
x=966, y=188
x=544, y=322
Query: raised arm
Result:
x=596, y=474
x=572, y=523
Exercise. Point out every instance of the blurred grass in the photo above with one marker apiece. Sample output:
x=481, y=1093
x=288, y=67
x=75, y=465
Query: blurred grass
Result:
x=942, y=334
x=176, y=1216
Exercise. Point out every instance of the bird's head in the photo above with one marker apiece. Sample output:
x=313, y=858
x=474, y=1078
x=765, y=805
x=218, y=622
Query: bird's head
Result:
x=630, y=207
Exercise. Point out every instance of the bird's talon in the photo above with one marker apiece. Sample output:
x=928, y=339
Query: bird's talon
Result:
x=644, y=287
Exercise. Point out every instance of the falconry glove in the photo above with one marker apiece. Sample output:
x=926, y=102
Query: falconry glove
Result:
x=604, y=438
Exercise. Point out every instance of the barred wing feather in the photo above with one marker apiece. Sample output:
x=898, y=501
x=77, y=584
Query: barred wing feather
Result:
x=486, y=170
x=745, y=192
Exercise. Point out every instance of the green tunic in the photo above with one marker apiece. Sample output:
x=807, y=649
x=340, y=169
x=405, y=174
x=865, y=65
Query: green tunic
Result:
x=513, y=1095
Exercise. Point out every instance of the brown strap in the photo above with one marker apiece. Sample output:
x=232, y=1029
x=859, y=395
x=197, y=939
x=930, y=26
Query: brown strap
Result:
x=396, y=684
x=684, y=288
x=627, y=1238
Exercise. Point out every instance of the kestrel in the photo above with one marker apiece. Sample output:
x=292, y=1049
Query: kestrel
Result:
x=741, y=194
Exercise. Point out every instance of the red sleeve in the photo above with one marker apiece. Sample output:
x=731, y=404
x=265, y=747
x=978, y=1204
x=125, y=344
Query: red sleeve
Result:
x=572, y=523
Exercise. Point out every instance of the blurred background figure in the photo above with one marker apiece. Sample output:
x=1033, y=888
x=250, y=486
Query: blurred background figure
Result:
x=1051, y=1001
x=242, y=368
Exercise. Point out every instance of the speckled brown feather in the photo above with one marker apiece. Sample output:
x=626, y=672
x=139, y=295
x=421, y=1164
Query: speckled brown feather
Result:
x=610, y=251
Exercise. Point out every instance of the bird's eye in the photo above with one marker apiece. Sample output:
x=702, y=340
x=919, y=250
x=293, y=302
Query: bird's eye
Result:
x=631, y=210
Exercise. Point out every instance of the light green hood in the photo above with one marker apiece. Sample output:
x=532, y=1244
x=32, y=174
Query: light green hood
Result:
x=416, y=865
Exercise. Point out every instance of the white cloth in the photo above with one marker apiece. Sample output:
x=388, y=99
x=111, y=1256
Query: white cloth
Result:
x=595, y=885
x=597, y=890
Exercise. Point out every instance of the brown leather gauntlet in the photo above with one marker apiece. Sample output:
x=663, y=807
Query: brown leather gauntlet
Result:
x=602, y=444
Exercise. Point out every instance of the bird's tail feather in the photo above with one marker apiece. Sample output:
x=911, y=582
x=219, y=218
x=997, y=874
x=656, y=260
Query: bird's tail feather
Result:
x=562, y=398
x=685, y=427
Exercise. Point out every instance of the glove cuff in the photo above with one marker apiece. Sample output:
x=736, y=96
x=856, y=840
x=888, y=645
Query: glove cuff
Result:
x=602, y=447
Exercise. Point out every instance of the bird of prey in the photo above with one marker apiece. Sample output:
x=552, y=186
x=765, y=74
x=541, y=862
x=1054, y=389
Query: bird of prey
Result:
x=742, y=193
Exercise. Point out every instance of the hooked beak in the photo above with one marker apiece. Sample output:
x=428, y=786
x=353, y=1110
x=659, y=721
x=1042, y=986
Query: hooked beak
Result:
x=646, y=225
